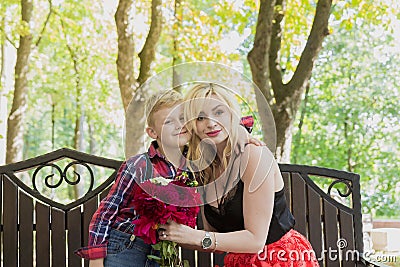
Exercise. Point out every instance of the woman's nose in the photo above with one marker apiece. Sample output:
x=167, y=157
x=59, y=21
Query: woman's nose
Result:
x=210, y=122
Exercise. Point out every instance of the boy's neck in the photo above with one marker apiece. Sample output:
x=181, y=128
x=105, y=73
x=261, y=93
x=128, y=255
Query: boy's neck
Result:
x=174, y=154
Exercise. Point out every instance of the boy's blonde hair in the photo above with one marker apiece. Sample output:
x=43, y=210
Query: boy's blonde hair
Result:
x=160, y=100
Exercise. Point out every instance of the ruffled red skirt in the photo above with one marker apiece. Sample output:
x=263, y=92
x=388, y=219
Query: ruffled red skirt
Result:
x=292, y=250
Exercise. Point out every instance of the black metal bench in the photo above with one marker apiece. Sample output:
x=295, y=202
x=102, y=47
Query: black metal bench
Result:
x=38, y=230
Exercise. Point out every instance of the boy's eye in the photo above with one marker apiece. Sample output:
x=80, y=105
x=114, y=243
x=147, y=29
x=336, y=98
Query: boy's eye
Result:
x=167, y=121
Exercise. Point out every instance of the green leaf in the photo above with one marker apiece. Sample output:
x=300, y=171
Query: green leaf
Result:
x=153, y=257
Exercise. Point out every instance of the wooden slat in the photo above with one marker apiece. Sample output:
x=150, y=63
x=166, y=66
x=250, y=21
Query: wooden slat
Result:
x=10, y=234
x=288, y=195
x=74, y=225
x=2, y=177
x=58, y=238
x=314, y=222
x=347, y=236
x=42, y=234
x=203, y=258
x=88, y=210
x=25, y=229
x=299, y=205
x=331, y=234
x=219, y=259
x=188, y=254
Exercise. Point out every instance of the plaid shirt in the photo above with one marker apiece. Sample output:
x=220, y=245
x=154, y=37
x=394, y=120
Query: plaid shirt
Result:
x=116, y=211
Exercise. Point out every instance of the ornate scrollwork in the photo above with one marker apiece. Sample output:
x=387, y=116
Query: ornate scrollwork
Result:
x=348, y=192
x=63, y=175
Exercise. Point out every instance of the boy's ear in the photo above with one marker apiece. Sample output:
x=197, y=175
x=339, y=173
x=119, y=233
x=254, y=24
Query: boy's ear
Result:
x=151, y=132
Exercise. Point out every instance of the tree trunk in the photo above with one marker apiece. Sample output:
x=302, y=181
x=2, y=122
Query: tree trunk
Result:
x=15, y=127
x=129, y=86
x=284, y=99
x=301, y=122
x=126, y=51
x=176, y=59
x=3, y=99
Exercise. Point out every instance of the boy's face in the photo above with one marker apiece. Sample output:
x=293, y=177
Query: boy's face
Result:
x=168, y=128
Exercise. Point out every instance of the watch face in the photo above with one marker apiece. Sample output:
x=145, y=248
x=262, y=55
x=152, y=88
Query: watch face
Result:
x=207, y=242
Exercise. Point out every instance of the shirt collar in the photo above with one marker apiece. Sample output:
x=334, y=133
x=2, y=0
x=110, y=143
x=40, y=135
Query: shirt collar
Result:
x=154, y=152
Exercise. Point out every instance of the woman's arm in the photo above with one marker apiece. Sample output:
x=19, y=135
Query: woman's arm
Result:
x=206, y=227
x=257, y=208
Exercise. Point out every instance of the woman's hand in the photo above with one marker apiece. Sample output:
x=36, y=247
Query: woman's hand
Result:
x=179, y=233
x=246, y=138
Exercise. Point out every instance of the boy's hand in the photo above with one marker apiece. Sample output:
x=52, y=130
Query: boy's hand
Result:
x=96, y=263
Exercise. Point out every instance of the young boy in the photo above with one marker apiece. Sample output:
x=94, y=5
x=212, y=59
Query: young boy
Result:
x=111, y=239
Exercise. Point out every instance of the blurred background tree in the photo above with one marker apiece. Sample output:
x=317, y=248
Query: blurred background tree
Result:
x=70, y=68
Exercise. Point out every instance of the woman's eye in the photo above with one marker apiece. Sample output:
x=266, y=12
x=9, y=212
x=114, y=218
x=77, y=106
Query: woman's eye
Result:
x=219, y=112
x=167, y=122
x=200, y=118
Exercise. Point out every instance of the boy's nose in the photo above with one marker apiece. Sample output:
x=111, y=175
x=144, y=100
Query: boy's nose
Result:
x=178, y=125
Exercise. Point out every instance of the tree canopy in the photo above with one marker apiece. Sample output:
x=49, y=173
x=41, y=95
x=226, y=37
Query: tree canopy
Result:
x=69, y=68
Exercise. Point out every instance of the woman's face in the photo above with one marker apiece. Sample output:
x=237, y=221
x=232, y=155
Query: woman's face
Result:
x=214, y=121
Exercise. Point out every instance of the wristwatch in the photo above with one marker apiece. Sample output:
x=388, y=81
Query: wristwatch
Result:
x=206, y=242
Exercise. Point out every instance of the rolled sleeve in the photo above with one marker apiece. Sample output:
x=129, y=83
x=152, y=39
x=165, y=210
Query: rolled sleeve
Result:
x=92, y=252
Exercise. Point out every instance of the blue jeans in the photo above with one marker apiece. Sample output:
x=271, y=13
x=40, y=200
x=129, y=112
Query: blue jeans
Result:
x=123, y=252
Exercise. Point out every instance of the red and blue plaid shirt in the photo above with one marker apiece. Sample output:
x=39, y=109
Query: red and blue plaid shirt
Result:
x=116, y=211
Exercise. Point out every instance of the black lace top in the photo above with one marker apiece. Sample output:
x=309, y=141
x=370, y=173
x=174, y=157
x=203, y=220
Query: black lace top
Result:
x=229, y=216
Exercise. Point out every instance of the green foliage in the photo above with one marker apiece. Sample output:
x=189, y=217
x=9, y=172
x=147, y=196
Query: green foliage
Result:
x=73, y=34
x=169, y=254
x=351, y=118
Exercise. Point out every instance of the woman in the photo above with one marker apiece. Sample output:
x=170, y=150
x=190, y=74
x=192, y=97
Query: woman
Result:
x=245, y=211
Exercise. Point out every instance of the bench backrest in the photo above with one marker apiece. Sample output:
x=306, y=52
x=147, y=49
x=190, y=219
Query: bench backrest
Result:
x=37, y=228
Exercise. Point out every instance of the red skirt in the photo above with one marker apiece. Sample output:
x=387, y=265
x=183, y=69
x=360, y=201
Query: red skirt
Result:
x=292, y=250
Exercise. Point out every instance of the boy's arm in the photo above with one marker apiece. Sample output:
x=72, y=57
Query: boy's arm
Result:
x=104, y=216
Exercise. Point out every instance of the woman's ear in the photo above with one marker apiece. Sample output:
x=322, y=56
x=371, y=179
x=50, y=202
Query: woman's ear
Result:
x=151, y=132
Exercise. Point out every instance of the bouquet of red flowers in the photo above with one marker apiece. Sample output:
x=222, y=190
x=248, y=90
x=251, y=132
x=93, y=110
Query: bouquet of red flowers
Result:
x=158, y=200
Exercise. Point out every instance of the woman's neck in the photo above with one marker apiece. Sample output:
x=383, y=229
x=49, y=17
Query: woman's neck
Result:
x=220, y=150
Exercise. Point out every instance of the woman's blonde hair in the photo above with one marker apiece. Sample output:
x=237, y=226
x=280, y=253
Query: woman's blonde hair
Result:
x=193, y=104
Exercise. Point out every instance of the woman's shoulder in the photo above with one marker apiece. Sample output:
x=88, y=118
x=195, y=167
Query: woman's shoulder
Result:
x=252, y=151
x=257, y=158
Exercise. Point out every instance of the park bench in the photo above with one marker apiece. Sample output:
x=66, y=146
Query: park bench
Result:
x=38, y=230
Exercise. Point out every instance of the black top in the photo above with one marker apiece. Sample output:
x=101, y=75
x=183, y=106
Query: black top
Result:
x=229, y=216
